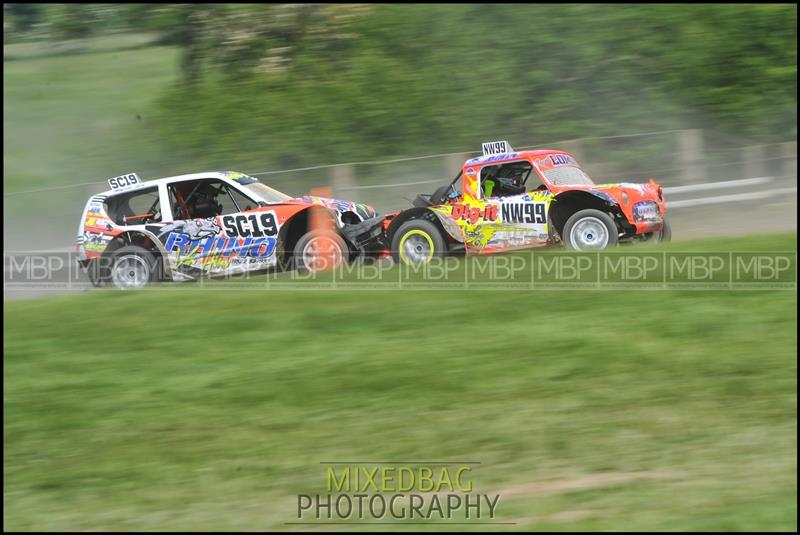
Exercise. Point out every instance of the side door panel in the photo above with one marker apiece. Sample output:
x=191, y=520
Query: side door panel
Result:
x=252, y=239
x=228, y=243
x=522, y=221
x=231, y=243
x=498, y=224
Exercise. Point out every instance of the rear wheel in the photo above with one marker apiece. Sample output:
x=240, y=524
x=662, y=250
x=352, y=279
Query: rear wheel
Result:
x=590, y=230
x=133, y=267
x=417, y=242
x=319, y=251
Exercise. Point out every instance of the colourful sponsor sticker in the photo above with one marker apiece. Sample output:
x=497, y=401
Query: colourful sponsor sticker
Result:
x=252, y=247
x=474, y=213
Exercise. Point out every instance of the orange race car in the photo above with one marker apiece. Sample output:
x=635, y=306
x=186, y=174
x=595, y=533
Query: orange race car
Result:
x=507, y=200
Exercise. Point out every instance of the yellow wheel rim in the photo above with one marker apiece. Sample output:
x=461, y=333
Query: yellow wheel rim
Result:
x=416, y=246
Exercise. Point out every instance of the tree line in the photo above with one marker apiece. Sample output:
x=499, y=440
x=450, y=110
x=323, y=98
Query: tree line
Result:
x=293, y=83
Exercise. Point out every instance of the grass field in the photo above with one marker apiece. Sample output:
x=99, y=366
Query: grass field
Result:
x=660, y=410
x=74, y=114
x=71, y=117
x=184, y=408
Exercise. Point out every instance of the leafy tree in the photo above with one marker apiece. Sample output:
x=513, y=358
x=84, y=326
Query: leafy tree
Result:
x=294, y=84
x=73, y=21
x=23, y=16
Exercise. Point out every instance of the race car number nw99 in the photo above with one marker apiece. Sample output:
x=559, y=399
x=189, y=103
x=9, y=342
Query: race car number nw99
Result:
x=496, y=147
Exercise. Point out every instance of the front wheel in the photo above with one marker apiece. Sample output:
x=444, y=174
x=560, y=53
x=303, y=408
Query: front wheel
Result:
x=417, y=242
x=590, y=230
x=319, y=251
x=666, y=232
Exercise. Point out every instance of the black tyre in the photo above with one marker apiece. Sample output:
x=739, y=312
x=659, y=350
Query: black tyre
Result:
x=417, y=242
x=133, y=267
x=666, y=232
x=590, y=230
x=318, y=251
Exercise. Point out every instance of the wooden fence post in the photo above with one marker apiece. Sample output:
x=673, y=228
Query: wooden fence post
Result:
x=691, y=150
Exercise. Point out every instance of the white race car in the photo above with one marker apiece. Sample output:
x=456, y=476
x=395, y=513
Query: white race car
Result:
x=184, y=227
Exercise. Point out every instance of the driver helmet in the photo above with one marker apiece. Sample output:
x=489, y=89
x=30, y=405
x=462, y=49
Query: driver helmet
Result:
x=509, y=185
x=510, y=179
x=204, y=202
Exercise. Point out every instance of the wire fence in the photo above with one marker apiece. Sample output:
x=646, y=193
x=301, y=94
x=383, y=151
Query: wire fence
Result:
x=47, y=216
x=301, y=169
x=675, y=154
x=638, y=172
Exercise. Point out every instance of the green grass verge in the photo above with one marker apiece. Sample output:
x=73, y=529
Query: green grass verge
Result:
x=203, y=410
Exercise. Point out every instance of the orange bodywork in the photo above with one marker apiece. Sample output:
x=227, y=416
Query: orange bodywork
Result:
x=489, y=225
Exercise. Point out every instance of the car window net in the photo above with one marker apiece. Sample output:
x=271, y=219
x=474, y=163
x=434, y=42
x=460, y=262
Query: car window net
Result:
x=567, y=175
